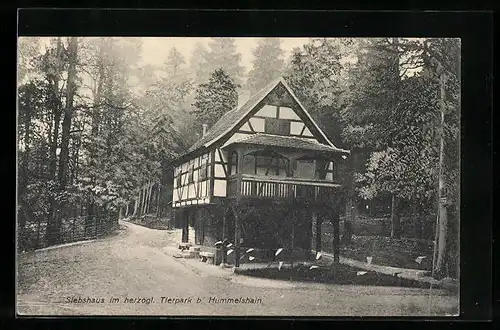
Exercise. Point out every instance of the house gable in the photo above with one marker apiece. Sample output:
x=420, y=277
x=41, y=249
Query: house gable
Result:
x=279, y=113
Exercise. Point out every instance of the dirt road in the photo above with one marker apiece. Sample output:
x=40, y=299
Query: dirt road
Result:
x=128, y=274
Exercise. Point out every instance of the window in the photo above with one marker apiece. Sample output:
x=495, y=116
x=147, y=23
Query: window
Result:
x=248, y=164
x=233, y=163
x=324, y=170
x=277, y=126
x=179, y=180
x=304, y=168
x=203, y=171
x=191, y=174
x=271, y=164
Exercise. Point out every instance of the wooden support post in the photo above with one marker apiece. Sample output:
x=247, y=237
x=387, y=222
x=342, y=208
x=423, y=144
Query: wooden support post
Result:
x=307, y=219
x=224, y=234
x=319, y=221
x=237, y=236
x=314, y=220
x=293, y=238
x=237, y=224
x=185, y=226
x=336, y=237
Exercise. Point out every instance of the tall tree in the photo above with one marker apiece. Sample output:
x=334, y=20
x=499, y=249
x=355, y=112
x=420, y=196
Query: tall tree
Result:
x=268, y=64
x=53, y=65
x=315, y=72
x=68, y=111
x=373, y=96
x=198, y=65
x=215, y=98
x=28, y=50
x=442, y=59
x=224, y=55
x=173, y=64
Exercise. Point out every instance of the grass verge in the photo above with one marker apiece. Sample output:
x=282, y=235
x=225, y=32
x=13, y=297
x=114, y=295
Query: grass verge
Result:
x=340, y=274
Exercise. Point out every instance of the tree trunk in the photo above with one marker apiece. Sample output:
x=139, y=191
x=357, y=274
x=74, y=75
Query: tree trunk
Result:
x=68, y=113
x=24, y=179
x=76, y=156
x=417, y=221
x=52, y=233
x=442, y=224
x=150, y=196
x=139, y=203
x=395, y=220
x=54, y=236
x=141, y=199
x=351, y=205
x=158, y=194
x=136, y=204
x=90, y=219
x=144, y=199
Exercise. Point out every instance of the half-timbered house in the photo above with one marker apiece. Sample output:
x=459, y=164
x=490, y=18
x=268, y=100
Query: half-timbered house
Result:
x=263, y=177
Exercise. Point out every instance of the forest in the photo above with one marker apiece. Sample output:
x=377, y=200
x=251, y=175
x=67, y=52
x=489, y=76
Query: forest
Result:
x=97, y=129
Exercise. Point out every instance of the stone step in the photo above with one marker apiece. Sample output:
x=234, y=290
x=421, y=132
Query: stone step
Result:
x=194, y=254
x=207, y=257
x=190, y=254
x=184, y=246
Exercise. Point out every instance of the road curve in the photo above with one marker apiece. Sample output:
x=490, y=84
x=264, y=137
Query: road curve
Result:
x=128, y=274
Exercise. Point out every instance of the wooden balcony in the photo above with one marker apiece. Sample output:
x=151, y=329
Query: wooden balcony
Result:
x=274, y=188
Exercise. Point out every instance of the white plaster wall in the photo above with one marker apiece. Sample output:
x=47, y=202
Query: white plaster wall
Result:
x=220, y=188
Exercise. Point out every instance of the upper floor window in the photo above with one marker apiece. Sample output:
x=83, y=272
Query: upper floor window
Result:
x=203, y=171
x=324, y=170
x=233, y=163
x=304, y=168
x=191, y=174
x=268, y=163
x=277, y=126
x=179, y=180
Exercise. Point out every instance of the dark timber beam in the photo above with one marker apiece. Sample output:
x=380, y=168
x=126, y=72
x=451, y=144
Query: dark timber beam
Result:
x=237, y=237
x=317, y=220
x=237, y=220
x=224, y=234
x=185, y=225
x=336, y=236
x=307, y=214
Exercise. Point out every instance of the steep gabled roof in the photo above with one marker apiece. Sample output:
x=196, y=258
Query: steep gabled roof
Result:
x=232, y=118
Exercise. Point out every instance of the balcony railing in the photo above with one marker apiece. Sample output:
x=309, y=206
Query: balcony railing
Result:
x=282, y=188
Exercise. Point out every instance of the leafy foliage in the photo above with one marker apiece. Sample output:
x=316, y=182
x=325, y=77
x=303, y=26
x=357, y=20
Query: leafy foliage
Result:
x=268, y=64
x=215, y=98
x=119, y=137
x=223, y=55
